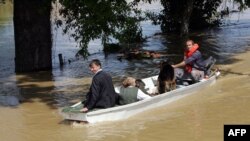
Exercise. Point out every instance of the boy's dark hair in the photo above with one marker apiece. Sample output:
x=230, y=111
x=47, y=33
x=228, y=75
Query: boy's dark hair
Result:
x=96, y=62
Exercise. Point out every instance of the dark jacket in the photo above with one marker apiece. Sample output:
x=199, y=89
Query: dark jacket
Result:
x=101, y=93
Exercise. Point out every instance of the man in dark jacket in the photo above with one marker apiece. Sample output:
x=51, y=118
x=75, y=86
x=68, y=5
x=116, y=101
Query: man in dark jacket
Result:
x=101, y=93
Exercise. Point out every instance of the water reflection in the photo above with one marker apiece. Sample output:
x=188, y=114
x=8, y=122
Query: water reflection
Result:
x=9, y=100
x=42, y=87
x=9, y=93
x=6, y=40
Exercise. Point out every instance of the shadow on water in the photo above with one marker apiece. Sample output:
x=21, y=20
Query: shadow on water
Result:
x=9, y=94
x=9, y=100
x=40, y=87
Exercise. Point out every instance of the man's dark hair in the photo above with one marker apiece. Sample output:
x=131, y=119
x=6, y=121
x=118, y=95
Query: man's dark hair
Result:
x=96, y=62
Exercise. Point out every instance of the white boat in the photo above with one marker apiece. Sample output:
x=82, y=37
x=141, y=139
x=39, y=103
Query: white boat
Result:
x=126, y=111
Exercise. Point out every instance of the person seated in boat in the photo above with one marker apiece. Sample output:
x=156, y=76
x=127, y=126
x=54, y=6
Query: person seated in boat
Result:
x=129, y=93
x=166, y=78
x=101, y=93
x=141, y=85
x=193, y=63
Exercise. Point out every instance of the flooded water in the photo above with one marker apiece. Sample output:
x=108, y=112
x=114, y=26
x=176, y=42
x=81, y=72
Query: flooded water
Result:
x=29, y=103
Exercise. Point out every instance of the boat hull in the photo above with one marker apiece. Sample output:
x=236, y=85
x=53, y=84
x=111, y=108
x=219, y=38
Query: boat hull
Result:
x=126, y=111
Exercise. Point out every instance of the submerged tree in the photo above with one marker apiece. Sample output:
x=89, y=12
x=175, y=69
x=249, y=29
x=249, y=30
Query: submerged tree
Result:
x=86, y=20
x=32, y=31
x=2, y=1
x=182, y=15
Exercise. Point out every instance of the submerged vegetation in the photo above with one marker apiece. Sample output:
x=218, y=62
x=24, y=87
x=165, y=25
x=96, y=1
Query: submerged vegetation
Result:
x=101, y=19
x=86, y=20
x=2, y=1
x=181, y=16
x=108, y=20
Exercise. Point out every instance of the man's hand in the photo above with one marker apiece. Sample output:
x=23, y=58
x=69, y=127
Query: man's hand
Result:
x=181, y=64
x=84, y=110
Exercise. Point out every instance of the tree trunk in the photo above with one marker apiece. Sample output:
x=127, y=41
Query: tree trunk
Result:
x=188, y=9
x=32, y=30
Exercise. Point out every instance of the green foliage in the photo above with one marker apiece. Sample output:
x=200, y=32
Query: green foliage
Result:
x=171, y=15
x=244, y=4
x=2, y=1
x=86, y=20
x=204, y=14
x=111, y=47
x=130, y=33
x=247, y=2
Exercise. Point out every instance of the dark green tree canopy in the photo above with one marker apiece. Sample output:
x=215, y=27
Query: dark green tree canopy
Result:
x=2, y=1
x=204, y=13
x=87, y=20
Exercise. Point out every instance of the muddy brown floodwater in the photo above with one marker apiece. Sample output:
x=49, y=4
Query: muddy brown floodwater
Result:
x=197, y=117
x=30, y=103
